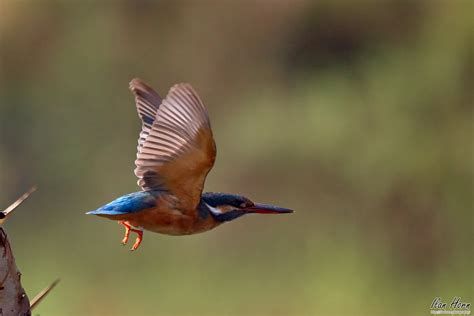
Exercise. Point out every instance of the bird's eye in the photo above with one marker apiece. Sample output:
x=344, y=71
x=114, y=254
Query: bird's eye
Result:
x=246, y=204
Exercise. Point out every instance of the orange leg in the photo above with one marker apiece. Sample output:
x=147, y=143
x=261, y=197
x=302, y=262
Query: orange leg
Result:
x=128, y=229
x=127, y=232
x=138, y=241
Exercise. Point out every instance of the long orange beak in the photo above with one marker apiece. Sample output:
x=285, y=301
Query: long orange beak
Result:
x=267, y=209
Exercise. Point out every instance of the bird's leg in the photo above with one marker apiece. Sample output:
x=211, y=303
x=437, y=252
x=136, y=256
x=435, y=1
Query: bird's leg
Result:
x=128, y=229
x=139, y=239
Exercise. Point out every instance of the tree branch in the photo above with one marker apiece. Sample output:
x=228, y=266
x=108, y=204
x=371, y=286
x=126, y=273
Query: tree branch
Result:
x=13, y=299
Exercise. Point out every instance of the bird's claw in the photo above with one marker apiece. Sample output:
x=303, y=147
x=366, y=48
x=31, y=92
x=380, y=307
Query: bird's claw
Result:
x=128, y=229
x=127, y=234
x=138, y=241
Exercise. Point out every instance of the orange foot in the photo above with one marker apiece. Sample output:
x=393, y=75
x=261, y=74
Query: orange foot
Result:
x=128, y=229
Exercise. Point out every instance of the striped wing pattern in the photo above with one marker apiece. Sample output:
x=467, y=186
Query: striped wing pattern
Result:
x=147, y=102
x=178, y=150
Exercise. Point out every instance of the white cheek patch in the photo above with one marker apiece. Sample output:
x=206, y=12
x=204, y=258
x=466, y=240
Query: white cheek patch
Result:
x=214, y=210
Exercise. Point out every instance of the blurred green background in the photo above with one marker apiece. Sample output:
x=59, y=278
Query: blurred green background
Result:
x=357, y=115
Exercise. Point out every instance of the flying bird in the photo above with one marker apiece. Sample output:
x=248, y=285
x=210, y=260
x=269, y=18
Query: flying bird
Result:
x=176, y=151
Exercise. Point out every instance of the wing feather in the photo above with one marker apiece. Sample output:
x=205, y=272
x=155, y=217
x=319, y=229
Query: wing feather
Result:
x=147, y=102
x=177, y=150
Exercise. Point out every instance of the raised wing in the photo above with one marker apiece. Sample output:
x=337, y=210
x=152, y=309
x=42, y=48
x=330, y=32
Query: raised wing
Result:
x=147, y=102
x=178, y=150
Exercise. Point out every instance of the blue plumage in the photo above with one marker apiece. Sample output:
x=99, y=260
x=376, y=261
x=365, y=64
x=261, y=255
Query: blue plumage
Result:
x=176, y=151
x=130, y=203
x=216, y=199
x=148, y=119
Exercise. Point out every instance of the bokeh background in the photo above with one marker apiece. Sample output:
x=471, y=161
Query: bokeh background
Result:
x=358, y=115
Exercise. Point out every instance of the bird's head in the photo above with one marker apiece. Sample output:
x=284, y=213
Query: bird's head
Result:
x=226, y=207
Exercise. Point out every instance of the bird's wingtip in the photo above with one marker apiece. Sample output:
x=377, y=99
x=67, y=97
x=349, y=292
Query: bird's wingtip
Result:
x=137, y=84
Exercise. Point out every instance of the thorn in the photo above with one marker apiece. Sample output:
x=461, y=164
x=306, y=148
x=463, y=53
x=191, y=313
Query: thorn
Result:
x=15, y=204
x=41, y=295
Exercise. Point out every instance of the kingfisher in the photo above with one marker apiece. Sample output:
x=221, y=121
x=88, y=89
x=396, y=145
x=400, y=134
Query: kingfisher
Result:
x=175, y=152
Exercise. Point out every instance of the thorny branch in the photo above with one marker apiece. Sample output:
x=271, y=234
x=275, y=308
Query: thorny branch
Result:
x=13, y=299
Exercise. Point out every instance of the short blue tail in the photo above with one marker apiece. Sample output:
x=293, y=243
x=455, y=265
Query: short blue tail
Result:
x=130, y=203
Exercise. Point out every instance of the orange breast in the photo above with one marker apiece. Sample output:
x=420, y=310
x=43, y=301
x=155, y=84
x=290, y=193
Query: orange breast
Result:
x=170, y=222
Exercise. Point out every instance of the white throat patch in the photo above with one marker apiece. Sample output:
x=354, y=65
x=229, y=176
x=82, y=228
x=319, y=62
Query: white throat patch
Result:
x=214, y=210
